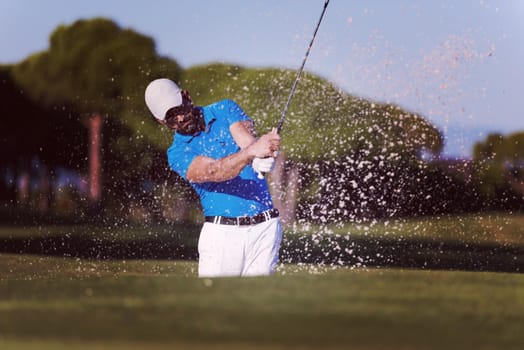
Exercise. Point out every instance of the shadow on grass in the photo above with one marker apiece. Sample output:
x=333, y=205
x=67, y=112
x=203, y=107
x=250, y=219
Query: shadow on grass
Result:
x=306, y=249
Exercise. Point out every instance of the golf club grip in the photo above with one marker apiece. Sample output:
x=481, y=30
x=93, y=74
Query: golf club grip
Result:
x=261, y=175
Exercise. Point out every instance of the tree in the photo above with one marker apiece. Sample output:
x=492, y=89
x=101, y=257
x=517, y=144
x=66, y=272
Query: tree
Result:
x=327, y=132
x=35, y=140
x=99, y=70
x=330, y=138
x=499, y=169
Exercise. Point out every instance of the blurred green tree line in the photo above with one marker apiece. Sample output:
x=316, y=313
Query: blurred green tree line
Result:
x=343, y=158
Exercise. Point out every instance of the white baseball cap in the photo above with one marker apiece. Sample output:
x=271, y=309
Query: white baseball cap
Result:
x=162, y=95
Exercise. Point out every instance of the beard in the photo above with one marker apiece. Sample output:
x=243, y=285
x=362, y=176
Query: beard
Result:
x=192, y=123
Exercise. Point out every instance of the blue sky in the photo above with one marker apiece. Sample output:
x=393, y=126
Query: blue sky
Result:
x=459, y=63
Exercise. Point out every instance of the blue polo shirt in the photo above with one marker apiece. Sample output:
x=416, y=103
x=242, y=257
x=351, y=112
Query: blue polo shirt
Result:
x=246, y=194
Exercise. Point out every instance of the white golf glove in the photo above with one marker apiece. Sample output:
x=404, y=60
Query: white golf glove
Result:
x=263, y=165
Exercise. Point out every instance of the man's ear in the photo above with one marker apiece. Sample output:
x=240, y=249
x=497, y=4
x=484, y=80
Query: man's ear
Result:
x=186, y=97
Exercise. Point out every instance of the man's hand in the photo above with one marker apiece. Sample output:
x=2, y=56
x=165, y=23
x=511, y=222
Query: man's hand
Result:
x=265, y=146
x=263, y=165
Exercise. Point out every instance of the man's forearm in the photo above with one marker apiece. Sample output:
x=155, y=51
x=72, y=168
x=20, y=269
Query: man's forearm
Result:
x=218, y=170
x=229, y=167
x=206, y=169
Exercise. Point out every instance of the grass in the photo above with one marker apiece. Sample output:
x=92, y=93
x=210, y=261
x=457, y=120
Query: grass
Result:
x=65, y=303
x=474, y=229
x=55, y=293
x=485, y=228
x=487, y=242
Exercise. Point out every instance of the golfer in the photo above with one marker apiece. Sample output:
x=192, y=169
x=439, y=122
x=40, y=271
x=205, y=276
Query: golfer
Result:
x=215, y=149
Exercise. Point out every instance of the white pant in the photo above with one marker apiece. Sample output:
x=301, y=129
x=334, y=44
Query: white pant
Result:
x=231, y=250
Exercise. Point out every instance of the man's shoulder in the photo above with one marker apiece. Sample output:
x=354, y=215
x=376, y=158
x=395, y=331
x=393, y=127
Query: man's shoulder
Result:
x=226, y=109
x=176, y=144
x=223, y=104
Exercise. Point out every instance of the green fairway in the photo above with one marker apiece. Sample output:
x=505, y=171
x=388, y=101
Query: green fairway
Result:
x=67, y=303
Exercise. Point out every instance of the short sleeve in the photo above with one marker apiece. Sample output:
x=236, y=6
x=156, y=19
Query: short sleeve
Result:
x=179, y=158
x=233, y=112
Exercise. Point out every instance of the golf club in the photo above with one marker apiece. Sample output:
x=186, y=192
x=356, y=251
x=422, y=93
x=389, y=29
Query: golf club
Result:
x=299, y=73
x=297, y=78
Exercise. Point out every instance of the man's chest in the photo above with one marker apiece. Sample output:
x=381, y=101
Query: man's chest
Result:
x=216, y=143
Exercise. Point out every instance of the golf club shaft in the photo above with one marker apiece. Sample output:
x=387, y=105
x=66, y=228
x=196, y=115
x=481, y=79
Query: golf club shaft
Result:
x=299, y=73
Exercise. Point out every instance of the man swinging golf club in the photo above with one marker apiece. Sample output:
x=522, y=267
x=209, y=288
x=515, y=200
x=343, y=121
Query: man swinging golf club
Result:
x=216, y=151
